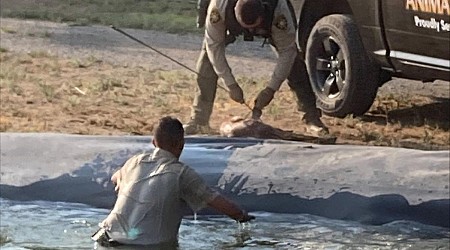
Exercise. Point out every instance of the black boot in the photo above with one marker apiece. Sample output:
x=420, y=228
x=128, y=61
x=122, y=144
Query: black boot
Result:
x=315, y=125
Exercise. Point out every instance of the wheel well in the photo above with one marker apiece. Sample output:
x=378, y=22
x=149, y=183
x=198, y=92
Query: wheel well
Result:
x=312, y=11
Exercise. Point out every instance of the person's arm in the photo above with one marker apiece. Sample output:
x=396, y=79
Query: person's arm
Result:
x=286, y=58
x=225, y=206
x=283, y=39
x=116, y=178
x=197, y=194
x=215, y=32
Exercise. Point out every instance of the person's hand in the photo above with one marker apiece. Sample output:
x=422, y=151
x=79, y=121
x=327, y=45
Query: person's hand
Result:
x=236, y=93
x=264, y=98
x=256, y=113
x=245, y=217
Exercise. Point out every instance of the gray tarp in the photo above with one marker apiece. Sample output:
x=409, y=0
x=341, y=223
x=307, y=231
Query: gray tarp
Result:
x=368, y=184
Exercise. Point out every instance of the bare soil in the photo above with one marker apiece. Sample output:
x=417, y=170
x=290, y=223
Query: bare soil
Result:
x=93, y=80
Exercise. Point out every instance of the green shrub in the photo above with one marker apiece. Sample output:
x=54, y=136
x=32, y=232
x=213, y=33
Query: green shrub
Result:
x=164, y=15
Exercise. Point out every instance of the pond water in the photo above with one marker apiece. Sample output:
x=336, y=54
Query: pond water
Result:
x=59, y=225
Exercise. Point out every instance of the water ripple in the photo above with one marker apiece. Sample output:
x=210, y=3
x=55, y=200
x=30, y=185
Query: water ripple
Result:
x=59, y=225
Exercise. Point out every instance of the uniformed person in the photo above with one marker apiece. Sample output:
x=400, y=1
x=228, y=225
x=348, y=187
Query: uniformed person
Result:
x=152, y=191
x=271, y=19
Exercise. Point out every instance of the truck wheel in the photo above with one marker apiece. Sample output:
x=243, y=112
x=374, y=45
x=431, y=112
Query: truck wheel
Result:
x=343, y=77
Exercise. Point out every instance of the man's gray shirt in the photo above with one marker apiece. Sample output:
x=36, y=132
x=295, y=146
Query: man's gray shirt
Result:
x=153, y=190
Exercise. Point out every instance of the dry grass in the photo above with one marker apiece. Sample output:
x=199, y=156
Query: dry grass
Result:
x=44, y=93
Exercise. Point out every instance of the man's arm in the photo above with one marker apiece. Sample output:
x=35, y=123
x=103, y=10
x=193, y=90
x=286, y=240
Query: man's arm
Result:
x=283, y=38
x=198, y=195
x=215, y=32
x=118, y=176
x=225, y=206
x=116, y=179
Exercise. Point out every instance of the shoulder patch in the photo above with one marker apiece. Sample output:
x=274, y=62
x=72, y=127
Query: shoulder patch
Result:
x=214, y=16
x=281, y=22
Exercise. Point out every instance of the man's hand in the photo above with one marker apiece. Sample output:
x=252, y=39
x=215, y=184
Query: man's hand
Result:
x=236, y=93
x=264, y=98
x=223, y=205
x=256, y=113
x=245, y=217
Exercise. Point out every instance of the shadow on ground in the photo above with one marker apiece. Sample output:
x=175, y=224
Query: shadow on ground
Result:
x=436, y=114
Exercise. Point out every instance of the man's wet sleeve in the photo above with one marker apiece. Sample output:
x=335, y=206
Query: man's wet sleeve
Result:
x=194, y=191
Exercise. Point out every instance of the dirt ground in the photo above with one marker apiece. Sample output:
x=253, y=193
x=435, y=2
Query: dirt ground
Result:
x=92, y=80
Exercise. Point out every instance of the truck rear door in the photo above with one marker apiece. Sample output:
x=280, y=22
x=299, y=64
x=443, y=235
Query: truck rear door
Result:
x=418, y=36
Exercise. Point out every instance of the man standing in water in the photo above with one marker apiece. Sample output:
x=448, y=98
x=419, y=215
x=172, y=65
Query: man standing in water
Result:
x=152, y=192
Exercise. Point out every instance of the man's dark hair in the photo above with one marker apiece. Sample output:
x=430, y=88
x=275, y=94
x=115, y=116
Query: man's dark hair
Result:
x=168, y=132
x=250, y=11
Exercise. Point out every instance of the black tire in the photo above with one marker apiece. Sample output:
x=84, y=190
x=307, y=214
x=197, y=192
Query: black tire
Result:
x=343, y=77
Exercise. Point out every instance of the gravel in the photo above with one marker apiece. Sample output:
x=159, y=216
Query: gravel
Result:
x=102, y=42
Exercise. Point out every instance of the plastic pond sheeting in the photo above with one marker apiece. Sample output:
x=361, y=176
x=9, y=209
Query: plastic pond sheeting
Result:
x=373, y=185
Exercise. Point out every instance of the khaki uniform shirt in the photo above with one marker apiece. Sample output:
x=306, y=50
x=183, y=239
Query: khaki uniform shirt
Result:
x=152, y=193
x=282, y=39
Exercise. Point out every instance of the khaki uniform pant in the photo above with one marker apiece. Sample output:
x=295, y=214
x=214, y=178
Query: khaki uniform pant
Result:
x=298, y=81
x=206, y=89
